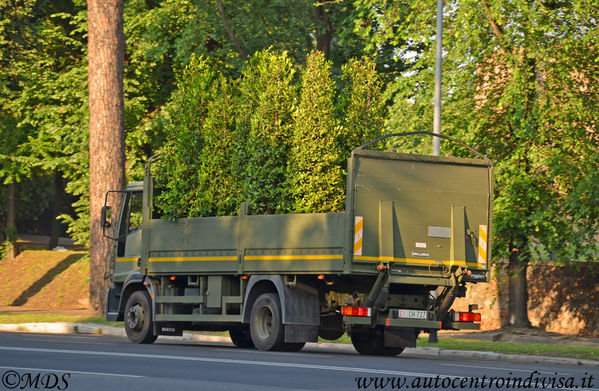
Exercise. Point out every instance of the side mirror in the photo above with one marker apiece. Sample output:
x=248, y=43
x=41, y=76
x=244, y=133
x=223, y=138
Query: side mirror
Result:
x=105, y=218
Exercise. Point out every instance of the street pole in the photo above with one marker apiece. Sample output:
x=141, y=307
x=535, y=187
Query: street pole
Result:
x=432, y=336
x=438, y=70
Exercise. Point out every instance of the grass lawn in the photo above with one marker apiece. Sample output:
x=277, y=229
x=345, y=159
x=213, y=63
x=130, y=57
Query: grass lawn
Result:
x=583, y=352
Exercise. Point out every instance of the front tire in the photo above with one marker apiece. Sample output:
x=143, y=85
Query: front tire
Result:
x=266, y=325
x=372, y=343
x=138, y=318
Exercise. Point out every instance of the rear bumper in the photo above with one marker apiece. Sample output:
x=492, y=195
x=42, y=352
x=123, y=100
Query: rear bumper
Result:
x=389, y=322
x=461, y=326
x=420, y=324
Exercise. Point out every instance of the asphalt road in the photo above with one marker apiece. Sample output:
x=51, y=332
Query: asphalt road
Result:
x=95, y=362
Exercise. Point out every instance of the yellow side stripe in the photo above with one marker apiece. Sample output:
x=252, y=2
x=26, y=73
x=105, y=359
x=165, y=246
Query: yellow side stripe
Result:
x=250, y=258
x=392, y=259
x=134, y=259
x=193, y=259
x=416, y=261
x=291, y=257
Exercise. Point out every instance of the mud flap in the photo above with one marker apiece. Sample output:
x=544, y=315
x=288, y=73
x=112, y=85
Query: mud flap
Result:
x=301, y=333
x=400, y=337
x=166, y=328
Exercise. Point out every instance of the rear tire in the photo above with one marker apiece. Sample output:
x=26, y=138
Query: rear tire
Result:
x=266, y=327
x=330, y=334
x=331, y=326
x=241, y=337
x=372, y=343
x=293, y=346
x=138, y=318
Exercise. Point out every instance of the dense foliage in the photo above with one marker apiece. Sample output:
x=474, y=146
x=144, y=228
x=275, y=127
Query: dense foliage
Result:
x=43, y=105
x=518, y=81
x=43, y=83
x=265, y=138
x=244, y=109
x=264, y=128
x=195, y=168
x=519, y=86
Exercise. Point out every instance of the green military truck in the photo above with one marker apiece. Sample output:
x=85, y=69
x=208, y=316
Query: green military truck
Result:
x=412, y=225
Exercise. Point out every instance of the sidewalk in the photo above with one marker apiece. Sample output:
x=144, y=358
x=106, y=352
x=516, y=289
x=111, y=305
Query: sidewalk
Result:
x=94, y=328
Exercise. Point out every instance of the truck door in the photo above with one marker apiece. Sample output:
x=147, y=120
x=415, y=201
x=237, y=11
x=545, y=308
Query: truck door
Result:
x=128, y=246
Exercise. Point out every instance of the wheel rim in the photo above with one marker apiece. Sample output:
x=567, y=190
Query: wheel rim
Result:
x=265, y=323
x=135, y=317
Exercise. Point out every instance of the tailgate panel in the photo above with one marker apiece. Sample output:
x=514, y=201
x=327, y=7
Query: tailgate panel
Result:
x=420, y=210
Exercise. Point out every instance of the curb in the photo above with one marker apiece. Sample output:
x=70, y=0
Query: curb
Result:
x=93, y=328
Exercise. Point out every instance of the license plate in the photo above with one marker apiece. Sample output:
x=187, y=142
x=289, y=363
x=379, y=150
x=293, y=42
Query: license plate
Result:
x=410, y=314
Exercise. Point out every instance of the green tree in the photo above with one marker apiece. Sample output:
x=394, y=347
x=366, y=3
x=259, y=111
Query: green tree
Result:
x=44, y=92
x=196, y=166
x=264, y=130
x=220, y=185
x=53, y=102
x=180, y=164
x=518, y=80
x=15, y=53
x=379, y=25
x=315, y=176
x=361, y=104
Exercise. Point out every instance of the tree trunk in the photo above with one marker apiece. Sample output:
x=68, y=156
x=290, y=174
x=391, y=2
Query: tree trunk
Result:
x=106, y=51
x=11, y=222
x=55, y=224
x=518, y=290
x=223, y=16
x=324, y=29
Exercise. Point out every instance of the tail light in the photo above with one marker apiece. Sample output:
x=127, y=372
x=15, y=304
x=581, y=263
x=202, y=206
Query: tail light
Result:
x=356, y=311
x=466, y=317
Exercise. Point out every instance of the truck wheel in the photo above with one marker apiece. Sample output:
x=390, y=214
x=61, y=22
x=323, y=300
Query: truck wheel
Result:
x=330, y=334
x=241, y=337
x=371, y=343
x=331, y=326
x=266, y=327
x=138, y=318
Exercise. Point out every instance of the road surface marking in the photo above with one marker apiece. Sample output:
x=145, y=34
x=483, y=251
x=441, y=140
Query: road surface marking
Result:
x=69, y=371
x=269, y=353
x=66, y=341
x=83, y=337
x=370, y=371
x=503, y=369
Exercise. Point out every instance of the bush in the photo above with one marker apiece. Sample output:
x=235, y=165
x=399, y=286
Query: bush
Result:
x=316, y=178
x=264, y=131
